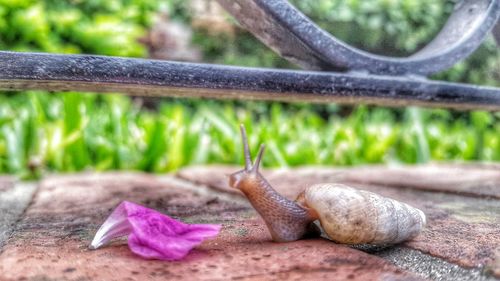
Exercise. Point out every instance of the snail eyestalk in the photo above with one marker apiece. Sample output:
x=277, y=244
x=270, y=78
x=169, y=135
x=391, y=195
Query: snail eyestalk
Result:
x=246, y=149
x=255, y=167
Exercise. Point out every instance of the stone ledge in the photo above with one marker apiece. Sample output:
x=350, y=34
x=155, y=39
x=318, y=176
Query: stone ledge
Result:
x=462, y=226
x=51, y=240
x=14, y=198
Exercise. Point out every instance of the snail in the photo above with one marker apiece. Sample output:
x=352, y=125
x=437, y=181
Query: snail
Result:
x=347, y=215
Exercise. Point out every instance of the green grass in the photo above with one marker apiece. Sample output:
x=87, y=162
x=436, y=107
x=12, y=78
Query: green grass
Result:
x=42, y=132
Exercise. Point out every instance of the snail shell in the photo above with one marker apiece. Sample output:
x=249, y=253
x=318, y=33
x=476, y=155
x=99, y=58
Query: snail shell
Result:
x=353, y=216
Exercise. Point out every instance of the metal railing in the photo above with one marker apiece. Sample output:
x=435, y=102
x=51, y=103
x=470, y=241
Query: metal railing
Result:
x=336, y=72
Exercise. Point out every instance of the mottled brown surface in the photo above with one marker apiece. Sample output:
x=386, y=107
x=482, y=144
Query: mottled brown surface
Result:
x=14, y=198
x=236, y=254
x=6, y=182
x=461, y=228
x=470, y=180
x=479, y=180
x=219, y=181
x=51, y=241
x=201, y=175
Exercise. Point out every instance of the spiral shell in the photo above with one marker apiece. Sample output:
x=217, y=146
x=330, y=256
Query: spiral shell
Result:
x=353, y=216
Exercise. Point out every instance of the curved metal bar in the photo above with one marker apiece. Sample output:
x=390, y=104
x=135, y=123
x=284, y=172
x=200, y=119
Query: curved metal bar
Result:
x=24, y=71
x=496, y=33
x=294, y=36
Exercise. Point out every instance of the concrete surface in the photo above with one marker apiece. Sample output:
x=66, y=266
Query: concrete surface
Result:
x=49, y=239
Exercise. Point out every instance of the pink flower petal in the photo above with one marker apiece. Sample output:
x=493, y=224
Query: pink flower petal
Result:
x=152, y=235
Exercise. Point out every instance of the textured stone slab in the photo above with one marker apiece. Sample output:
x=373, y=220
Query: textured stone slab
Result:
x=461, y=229
x=429, y=266
x=51, y=241
x=6, y=182
x=480, y=180
x=217, y=177
x=14, y=198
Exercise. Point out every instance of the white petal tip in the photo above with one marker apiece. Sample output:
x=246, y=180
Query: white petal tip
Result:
x=95, y=244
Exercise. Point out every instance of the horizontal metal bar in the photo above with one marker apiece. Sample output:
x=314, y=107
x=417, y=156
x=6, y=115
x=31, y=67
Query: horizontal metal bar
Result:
x=25, y=71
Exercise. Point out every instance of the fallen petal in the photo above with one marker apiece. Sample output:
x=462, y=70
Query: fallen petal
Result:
x=116, y=225
x=152, y=235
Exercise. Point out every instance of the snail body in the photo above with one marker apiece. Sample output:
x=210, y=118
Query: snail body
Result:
x=347, y=215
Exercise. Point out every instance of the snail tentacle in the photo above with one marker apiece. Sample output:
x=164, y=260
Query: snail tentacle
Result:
x=246, y=149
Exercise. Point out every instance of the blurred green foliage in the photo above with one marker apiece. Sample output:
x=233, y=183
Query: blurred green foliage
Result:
x=75, y=131
x=77, y=26
x=382, y=26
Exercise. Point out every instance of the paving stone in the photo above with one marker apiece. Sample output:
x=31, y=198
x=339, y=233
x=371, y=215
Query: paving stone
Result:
x=461, y=229
x=431, y=267
x=201, y=175
x=14, y=198
x=217, y=177
x=495, y=268
x=6, y=182
x=473, y=180
x=51, y=241
x=480, y=180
